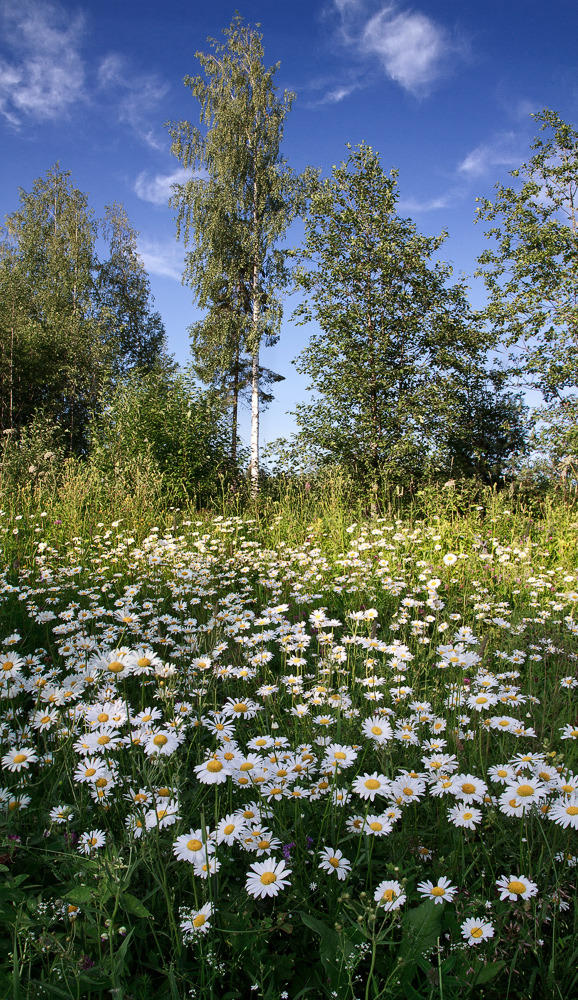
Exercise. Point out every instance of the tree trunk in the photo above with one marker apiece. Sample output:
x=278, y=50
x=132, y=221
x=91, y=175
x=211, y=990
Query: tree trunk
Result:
x=234, y=420
x=255, y=353
x=255, y=424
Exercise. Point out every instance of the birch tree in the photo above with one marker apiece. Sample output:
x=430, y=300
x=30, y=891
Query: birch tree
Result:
x=238, y=201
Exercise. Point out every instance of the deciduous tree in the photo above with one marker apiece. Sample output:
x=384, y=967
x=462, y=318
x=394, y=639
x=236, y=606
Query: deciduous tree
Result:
x=238, y=201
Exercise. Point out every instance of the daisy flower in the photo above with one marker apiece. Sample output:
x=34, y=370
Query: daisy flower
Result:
x=230, y=829
x=267, y=878
x=332, y=860
x=468, y=787
x=61, y=814
x=165, y=814
x=389, y=895
x=196, y=922
x=19, y=758
x=514, y=887
x=465, y=816
x=163, y=741
x=206, y=865
x=441, y=892
x=377, y=826
x=564, y=811
x=212, y=771
x=474, y=931
x=91, y=841
x=377, y=729
x=367, y=786
x=189, y=846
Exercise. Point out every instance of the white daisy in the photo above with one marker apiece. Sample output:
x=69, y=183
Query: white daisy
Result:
x=267, y=878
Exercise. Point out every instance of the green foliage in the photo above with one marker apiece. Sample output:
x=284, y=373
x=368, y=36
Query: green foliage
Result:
x=160, y=418
x=531, y=272
x=398, y=346
x=69, y=323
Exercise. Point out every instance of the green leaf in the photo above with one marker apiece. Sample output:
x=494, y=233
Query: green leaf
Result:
x=131, y=904
x=488, y=972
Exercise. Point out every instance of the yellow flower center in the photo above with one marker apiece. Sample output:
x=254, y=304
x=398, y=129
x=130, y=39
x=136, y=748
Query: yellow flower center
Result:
x=407, y=790
x=339, y=755
x=438, y=890
x=101, y=782
x=568, y=789
x=476, y=932
x=194, y=845
x=103, y=740
x=467, y=815
x=45, y=720
x=468, y=788
x=572, y=810
x=102, y=717
x=247, y=765
x=116, y=667
x=143, y=661
x=199, y=920
x=89, y=772
x=263, y=844
x=20, y=758
x=164, y=793
x=389, y=894
x=228, y=829
x=7, y=665
x=214, y=766
x=160, y=739
x=525, y=790
x=334, y=862
x=481, y=700
x=376, y=730
x=267, y=878
x=372, y=783
x=240, y=707
x=516, y=887
x=376, y=826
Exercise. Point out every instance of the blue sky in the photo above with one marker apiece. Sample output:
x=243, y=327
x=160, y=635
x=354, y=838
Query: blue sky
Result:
x=442, y=89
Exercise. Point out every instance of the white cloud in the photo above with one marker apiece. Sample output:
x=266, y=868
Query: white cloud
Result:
x=136, y=96
x=157, y=189
x=501, y=151
x=413, y=50
x=163, y=258
x=41, y=67
x=414, y=205
x=336, y=94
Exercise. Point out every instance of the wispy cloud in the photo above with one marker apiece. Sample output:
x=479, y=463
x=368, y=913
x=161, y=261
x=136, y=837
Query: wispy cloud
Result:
x=157, y=189
x=413, y=50
x=136, y=96
x=417, y=205
x=41, y=67
x=503, y=150
x=335, y=94
x=162, y=258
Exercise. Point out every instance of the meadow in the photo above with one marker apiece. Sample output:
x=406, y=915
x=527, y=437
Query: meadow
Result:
x=300, y=751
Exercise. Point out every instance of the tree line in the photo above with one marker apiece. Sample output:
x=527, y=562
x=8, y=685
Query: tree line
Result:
x=409, y=381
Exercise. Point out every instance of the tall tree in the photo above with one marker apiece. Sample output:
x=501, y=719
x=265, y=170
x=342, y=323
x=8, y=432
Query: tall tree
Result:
x=69, y=324
x=58, y=357
x=240, y=200
x=531, y=270
x=393, y=333
x=132, y=329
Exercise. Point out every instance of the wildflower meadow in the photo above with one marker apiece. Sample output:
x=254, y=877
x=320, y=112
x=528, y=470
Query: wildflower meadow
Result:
x=294, y=752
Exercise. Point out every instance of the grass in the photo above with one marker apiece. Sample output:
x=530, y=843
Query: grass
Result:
x=168, y=675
